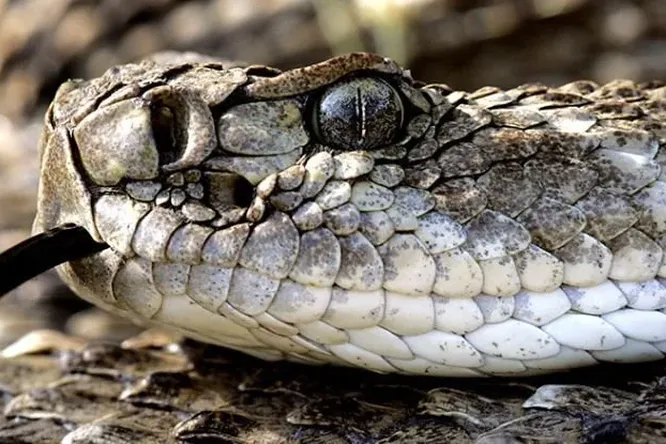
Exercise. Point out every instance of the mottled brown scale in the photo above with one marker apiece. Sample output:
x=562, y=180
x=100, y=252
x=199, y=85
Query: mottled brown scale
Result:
x=554, y=99
x=613, y=109
x=460, y=198
x=462, y=121
x=552, y=223
x=306, y=79
x=607, y=214
x=625, y=90
x=569, y=145
x=510, y=188
x=562, y=178
x=463, y=159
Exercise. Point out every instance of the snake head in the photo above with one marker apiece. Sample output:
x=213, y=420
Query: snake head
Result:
x=187, y=161
x=208, y=140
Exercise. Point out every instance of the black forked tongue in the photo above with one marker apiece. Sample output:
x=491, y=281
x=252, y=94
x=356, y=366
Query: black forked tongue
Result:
x=43, y=251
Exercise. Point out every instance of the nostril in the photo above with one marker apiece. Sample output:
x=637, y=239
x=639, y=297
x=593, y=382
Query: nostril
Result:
x=184, y=124
x=243, y=192
x=163, y=123
x=228, y=190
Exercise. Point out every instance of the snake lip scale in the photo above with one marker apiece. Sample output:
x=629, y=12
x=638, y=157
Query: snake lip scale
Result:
x=345, y=213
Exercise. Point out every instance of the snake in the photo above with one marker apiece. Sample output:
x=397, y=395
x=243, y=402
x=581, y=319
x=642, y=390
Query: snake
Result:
x=344, y=213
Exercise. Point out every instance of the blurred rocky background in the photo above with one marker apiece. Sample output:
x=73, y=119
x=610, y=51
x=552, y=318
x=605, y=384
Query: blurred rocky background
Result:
x=464, y=43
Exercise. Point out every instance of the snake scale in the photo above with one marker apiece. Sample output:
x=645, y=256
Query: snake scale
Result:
x=316, y=403
x=343, y=213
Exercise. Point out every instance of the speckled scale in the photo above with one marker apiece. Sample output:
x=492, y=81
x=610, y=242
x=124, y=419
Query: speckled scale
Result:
x=137, y=273
x=554, y=99
x=457, y=274
x=624, y=173
x=613, y=109
x=291, y=178
x=587, y=261
x=388, y=175
x=251, y=292
x=620, y=89
x=391, y=152
x=463, y=159
x=187, y=242
x=500, y=144
x=408, y=314
x=272, y=247
x=463, y=120
x=486, y=147
x=298, y=304
x=552, y=223
x=636, y=257
x=509, y=188
x=334, y=194
x=562, y=178
x=308, y=216
x=586, y=332
x=318, y=169
x=569, y=120
x=376, y=226
x=570, y=145
x=424, y=149
x=354, y=309
x=343, y=220
x=417, y=127
x=493, y=100
x=361, y=266
x=596, y=300
x=223, y=247
x=607, y=214
x=416, y=201
x=423, y=175
x=645, y=295
x=513, y=339
x=408, y=266
x=287, y=200
x=540, y=308
x=352, y=164
x=500, y=276
x=539, y=270
x=153, y=232
x=116, y=219
x=520, y=118
x=492, y=235
x=640, y=142
x=651, y=204
x=318, y=259
x=439, y=232
x=461, y=199
x=208, y=285
x=368, y=196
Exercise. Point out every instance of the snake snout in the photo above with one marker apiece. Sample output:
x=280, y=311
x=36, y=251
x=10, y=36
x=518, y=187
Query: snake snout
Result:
x=116, y=142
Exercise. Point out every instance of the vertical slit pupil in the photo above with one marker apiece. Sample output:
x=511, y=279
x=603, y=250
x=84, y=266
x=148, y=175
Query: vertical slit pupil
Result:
x=358, y=113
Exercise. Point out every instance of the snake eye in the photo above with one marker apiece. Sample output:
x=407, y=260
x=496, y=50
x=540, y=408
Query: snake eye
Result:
x=360, y=113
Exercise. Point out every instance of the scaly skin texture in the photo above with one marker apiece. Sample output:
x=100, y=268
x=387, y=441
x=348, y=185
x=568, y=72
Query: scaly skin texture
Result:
x=344, y=213
x=469, y=43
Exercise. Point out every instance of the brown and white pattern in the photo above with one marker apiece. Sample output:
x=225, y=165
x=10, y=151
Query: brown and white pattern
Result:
x=345, y=213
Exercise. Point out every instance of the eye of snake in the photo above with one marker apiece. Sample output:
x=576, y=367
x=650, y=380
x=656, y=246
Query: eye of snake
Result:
x=358, y=113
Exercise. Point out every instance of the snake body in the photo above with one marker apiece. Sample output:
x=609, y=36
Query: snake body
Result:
x=345, y=213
